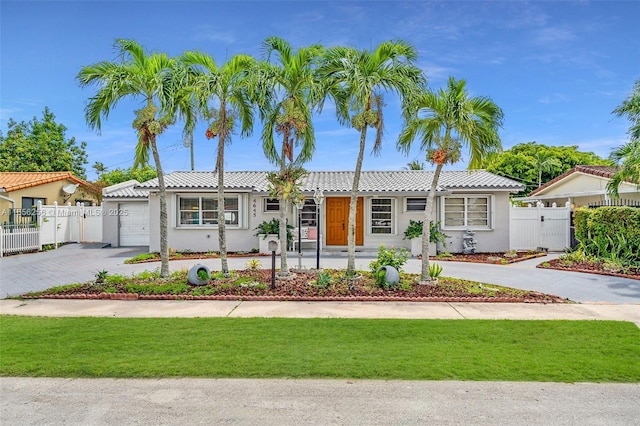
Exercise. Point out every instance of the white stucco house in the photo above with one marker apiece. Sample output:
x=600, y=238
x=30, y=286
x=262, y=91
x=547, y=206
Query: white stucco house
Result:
x=125, y=215
x=476, y=200
x=581, y=186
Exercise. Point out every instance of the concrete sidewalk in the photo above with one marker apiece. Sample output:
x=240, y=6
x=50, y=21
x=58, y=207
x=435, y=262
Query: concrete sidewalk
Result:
x=240, y=309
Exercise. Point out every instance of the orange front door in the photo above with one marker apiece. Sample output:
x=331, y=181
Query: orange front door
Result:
x=337, y=211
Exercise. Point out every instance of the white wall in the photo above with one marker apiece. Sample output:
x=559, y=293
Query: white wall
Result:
x=110, y=224
x=203, y=239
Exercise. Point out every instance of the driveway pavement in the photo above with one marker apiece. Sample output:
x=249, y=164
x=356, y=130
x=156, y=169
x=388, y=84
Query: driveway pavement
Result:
x=80, y=262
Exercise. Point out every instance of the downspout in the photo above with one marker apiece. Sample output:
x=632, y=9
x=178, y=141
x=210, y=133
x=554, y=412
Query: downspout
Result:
x=11, y=200
x=13, y=203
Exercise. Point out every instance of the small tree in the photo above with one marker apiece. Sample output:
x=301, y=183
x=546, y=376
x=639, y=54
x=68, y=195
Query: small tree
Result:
x=41, y=146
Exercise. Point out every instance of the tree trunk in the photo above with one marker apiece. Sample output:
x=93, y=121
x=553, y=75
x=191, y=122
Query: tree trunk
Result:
x=426, y=227
x=284, y=269
x=164, y=246
x=351, y=235
x=222, y=226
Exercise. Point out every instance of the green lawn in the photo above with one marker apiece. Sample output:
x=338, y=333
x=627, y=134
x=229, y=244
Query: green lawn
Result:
x=559, y=351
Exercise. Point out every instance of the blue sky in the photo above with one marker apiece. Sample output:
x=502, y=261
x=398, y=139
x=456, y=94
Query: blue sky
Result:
x=557, y=69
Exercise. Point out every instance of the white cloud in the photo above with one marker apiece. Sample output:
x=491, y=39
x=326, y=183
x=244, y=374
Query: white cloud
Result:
x=552, y=35
x=209, y=33
x=553, y=98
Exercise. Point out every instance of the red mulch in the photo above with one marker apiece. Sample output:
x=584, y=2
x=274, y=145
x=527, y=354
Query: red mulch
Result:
x=589, y=267
x=497, y=258
x=300, y=287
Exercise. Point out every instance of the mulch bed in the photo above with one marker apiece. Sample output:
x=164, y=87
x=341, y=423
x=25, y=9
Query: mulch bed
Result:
x=499, y=258
x=588, y=267
x=299, y=287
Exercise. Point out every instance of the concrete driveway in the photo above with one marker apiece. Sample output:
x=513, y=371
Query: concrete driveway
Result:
x=80, y=262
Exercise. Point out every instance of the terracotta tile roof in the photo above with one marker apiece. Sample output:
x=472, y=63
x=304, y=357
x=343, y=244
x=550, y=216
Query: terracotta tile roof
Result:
x=602, y=171
x=13, y=181
x=341, y=181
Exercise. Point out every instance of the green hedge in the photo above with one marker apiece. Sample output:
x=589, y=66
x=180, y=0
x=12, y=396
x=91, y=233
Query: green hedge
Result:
x=609, y=233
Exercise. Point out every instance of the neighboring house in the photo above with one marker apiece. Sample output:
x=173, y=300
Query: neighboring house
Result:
x=21, y=191
x=476, y=200
x=581, y=186
x=125, y=215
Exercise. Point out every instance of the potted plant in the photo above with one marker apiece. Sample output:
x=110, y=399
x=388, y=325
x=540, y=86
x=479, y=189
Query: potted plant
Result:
x=269, y=231
x=414, y=233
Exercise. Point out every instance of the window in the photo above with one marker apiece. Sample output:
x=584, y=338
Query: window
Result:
x=416, y=204
x=271, y=205
x=466, y=211
x=381, y=216
x=29, y=209
x=197, y=211
x=308, y=213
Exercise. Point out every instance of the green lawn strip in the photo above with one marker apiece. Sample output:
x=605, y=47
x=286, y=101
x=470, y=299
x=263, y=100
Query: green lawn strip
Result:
x=488, y=350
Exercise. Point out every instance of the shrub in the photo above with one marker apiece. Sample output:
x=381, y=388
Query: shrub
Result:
x=435, y=270
x=609, y=233
x=272, y=227
x=389, y=257
x=253, y=264
x=414, y=230
x=324, y=280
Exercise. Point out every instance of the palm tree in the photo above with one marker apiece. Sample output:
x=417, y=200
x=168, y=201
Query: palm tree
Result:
x=227, y=85
x=414, y=165
x=627, y=156
x=289, y=116
x=444, y=121
x=356, y=81
x=544, y=162
x=137, y=74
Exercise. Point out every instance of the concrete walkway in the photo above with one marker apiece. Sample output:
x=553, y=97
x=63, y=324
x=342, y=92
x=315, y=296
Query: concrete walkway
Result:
x=238, y=309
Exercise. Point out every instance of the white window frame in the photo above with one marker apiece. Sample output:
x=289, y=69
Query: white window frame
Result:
x=308, y=214
x=490, y=212
x=270, y=202
x=240, y=213
x=374, y=222
x=415, y=201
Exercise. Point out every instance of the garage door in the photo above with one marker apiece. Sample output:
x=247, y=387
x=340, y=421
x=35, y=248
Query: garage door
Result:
x=134, y=224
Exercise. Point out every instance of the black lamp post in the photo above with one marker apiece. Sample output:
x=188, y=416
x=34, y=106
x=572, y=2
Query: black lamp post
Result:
x=318, y=197
x=299, y=206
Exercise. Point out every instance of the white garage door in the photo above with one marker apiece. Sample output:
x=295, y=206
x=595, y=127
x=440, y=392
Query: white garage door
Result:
x=134, y=224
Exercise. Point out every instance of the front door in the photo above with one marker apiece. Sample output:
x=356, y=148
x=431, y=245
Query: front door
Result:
x=338, y=218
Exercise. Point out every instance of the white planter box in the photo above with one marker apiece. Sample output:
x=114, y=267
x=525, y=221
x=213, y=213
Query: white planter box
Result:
x=263, y=243
x=416, y=247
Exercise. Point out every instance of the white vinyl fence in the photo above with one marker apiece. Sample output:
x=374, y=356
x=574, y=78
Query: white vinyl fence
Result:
x=54, y=225
x=539, y=227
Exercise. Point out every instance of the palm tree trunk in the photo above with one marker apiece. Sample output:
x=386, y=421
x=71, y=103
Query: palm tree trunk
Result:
x=164, y=246
x=284, y=269
x=222, y=226
x=426, y=227
x=351, y=235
